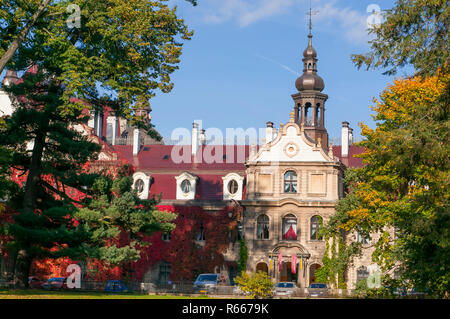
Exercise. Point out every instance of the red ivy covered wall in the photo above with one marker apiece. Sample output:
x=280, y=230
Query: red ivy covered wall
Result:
x=186, y=258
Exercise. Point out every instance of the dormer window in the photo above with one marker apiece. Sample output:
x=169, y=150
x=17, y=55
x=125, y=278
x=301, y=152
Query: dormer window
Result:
x=141, y=183
x=233, y=185
x=186, y=186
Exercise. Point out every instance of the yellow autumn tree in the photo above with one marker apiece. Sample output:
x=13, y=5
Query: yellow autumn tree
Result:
x=402, y=193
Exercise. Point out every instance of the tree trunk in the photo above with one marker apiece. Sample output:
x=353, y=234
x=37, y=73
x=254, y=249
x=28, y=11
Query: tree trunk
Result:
x=34, y=174
x=23, y=260
x=22, y=272
x=23, y=34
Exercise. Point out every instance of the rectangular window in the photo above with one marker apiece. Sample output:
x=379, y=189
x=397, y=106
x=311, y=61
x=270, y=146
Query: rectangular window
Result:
x=164, y=273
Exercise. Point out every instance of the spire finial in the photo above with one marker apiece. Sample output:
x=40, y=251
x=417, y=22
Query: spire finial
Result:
x=311, y=13
x=310, y=17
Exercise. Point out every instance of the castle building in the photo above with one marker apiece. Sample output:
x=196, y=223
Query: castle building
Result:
x=287, y=188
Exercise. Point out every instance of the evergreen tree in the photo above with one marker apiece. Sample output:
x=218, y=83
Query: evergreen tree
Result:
x=119, y=222
x=51, y=153
x=119, y=55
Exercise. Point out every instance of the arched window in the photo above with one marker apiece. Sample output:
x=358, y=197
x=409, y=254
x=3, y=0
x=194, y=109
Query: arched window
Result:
x=308, y=116
x=316, y=224
x=290, y=182
x=363, y=239
x=290, y=227
x=318, y=120
x=262, y=229
x=362, y=273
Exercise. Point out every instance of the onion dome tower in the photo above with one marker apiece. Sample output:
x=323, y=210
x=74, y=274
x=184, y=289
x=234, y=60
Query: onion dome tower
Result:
x=310, y=101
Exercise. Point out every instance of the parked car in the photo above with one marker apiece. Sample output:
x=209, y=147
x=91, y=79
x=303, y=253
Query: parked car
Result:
x=318, y=290
x=115, y=286
x=206, y=283
x=55, y=283
x=34, y=282
x=285, y=289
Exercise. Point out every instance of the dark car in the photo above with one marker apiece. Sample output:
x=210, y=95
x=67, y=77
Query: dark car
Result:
x=115, y=286
x=55, y=283
x=318, y=290
x=206, y=283
x=34, y=282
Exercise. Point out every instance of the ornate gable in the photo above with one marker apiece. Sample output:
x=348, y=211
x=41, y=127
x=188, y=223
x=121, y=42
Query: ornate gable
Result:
x=291, y=145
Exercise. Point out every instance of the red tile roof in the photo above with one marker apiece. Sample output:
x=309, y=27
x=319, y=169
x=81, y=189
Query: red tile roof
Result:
x=164, y=158
x=160, y=162
x=350, y=160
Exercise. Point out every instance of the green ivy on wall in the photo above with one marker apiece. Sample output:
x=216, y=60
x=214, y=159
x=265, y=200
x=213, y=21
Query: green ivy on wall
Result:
x=243, y=256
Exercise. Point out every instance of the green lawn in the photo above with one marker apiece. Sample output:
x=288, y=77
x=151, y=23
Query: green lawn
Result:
x=44, y=294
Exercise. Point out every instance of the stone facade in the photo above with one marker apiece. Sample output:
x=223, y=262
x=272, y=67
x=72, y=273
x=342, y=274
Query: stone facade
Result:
x=317, y=186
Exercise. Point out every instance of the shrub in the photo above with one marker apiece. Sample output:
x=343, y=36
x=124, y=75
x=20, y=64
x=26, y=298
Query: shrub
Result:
x=257, y=285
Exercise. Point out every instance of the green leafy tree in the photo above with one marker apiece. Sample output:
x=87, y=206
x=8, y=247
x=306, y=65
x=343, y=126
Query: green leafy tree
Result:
x=414, y=32
x=404, y=185
x=21, y=19
x=120, y=55
x=257, y=285
x=119, y=222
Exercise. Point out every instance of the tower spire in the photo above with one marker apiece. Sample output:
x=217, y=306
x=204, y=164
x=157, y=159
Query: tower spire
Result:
x=310, y=17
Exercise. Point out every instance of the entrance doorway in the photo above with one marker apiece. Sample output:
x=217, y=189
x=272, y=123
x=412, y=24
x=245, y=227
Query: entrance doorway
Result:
x=262, y=267
x=286, y=273
x=312, y=273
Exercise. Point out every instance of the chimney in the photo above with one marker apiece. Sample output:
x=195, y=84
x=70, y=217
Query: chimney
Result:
x=252, y=150
x=136, y=142
x=10, y=78
x=195, y=139
x=202, y=137
x=345, y=139
x=269, y=132
x=350, y=136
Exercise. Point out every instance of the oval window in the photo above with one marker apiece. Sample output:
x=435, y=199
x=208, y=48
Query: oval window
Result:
x=186, y=186
x=233, y=187
x=139, y=185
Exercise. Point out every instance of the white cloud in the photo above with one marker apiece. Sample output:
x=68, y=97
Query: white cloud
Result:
x=245, y=12
x=351, y=22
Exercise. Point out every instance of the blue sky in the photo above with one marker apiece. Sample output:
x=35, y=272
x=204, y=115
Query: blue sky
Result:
x=240, y=67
